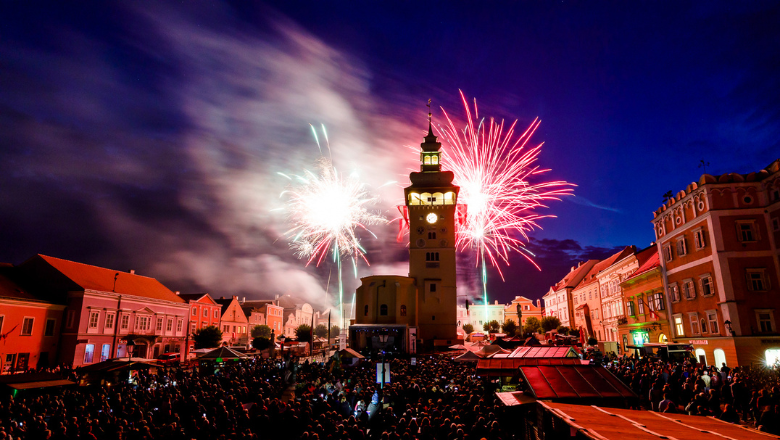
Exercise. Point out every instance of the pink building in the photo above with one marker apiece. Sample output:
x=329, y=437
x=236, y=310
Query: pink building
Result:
x=106, y=308
x=204, y=312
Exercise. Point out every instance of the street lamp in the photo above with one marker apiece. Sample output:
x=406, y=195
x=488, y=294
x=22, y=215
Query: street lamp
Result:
x=130, y=347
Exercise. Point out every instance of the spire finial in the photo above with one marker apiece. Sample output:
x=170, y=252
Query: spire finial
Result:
x=430, y=127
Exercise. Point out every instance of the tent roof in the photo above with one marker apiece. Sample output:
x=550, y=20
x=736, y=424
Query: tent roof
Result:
x=573, y=381
x=468, y=356
x=350, y=353
x=223, y=353
x=544, y=352
x=509, y=366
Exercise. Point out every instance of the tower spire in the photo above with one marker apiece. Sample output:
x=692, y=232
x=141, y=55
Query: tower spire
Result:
x=430, y=126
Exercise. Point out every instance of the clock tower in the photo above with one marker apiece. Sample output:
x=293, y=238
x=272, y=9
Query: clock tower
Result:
x=431, y=200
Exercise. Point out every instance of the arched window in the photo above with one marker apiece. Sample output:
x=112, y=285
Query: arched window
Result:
x=427, y=160
x=720, y=358
x=438, y=198
x=435, y=160
x=414, y=199
x=365, y=310
x=383, y=310
x=701, y=356
x=426, y=199
x=431, y=236
x=403, y=309
x=449, y=198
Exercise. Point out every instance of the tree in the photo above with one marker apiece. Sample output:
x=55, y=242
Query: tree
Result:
x=574, y=332
x=495, y=326
x=261, y=343
x=468, y=328
x=207, y=337
x=592, y=341
x=509, y=327
x=303, y=333
x=261, y=331
x=531, y=325
x=334, y=331
x=486, y=327
x=321, y=331
x=550, y=323
x=563, y=330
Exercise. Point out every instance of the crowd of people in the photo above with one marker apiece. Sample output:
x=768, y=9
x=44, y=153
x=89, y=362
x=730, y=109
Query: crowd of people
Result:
x=251, y=399
x=743, y=395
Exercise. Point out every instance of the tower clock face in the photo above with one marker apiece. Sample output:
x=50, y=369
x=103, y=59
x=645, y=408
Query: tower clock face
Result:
x=431, y=218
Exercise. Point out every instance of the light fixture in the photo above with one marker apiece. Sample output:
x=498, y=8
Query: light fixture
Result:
x=431, y=218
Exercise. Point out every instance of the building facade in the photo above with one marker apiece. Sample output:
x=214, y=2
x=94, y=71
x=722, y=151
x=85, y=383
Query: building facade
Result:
x=204, y=312
x=612, y=307
x=29, y=326
x=273, y=314
x=106, y=308
x=558, y=301
x=717, y=242
x=643, y=294
x=527, y=310
x=233, y=321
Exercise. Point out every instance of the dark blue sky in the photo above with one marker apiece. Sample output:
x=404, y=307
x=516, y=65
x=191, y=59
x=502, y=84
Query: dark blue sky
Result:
x=149, y=136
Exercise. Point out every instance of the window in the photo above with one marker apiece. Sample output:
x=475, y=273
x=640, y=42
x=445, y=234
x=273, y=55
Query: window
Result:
x=705, y=285
x=720, y=357
x=746, y=231
x=694, y=318
x=179, y=325
x=766, y=320
x=712, y=318
x=703, y=325
x=169, y=327
x=433, y=287
x=757, y=280
x=701, y=355
x=89, y=351
x=49, y=329
x=431, y=256
x=105, y=352
x=658, y=301
x=630, y=308
x=365, y=310
x=678, y=325
x=27, y=326
x=194, y=311
x=668, y=252
x=93, y=320
x=109, y=321
x=689, y=290
x=682, y=247
x=71, y=318
x=698, y=238
x=159, y=324
x=383, y=310
x=205, y=312
x=641, y=305
x=403, y=310
x=193, y=327
x=216, y=313
x=776, y=224
x=125, y=322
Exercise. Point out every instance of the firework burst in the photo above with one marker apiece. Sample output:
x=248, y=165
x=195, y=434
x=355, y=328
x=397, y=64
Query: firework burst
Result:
x=496, y=174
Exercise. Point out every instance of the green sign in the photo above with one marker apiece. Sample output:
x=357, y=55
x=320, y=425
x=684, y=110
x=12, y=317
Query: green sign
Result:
x=640, y=338
x=219, y=359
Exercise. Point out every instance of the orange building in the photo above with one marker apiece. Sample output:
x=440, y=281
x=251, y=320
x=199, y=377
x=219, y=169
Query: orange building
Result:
x=233, y=321
x=643, y=295
x=29, y=326
x=204, y=311
x=718, y=243
x=527, y=310
x=273, y=313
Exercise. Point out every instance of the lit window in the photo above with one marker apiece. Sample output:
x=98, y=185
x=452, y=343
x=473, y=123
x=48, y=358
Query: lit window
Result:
x=89, y=351
x=105, y=352
x=658, y=301
x=757, y=280
x=679, y=328
x=682, y=247
x=712, y=318
x=698, y=238
x=746, y=231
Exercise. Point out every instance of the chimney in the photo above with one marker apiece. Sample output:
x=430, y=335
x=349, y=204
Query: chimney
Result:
x=243, y=300
x=221, y=297
x=132, y=271
x=537, y=304
x=178, y=293
x=572, y=269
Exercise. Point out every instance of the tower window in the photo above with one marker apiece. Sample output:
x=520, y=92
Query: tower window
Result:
x=431, y=236
x=403, y=309
x=433, y=287
x=365, y=310
x=431, y=256
x=383, y=310
x=427, y=160
x=435, y=160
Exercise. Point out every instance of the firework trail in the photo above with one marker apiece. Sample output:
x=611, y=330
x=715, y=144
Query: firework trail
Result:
x=495, y=173
x=325, y=210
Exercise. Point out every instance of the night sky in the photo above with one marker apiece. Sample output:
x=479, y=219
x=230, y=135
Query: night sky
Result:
x=150, y=137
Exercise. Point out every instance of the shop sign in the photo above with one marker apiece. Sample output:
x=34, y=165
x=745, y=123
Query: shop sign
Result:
x=698, y=341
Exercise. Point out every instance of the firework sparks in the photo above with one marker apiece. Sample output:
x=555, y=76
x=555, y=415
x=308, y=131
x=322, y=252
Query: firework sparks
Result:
x=326, y=210
x=495, y=172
